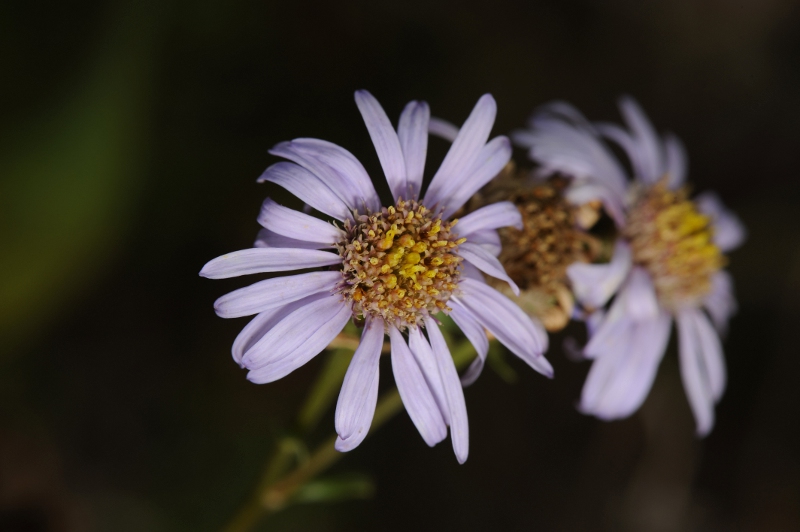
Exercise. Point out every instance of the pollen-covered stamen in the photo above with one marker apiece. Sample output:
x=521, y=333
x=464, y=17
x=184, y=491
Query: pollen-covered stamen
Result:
x=674, y=241
x=400, y=264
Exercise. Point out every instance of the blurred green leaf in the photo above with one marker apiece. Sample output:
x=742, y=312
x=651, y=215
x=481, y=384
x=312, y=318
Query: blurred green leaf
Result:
x=70, y=177
x=325, y=389
x=338, y=488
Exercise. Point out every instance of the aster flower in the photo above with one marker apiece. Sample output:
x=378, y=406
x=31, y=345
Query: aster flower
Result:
x=667, y=262
x=390, y=268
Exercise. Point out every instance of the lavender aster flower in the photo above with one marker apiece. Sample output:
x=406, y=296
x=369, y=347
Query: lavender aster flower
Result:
x=667, y=263
x=391, y=268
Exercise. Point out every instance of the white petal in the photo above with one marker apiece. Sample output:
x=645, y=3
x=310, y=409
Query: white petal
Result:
x=453, y=392
x=294, y=224
x=720, y=302
x=306, y=329
x=491, y=160
x=729, y=231
x=485, y=262
x=477, y=336
x=386, y=142
x=507, y=322
x=308, y=187
x=594, y=284
x=494, y=216
x=359, y=394
x=271, y=239
x=274, y=292
x=694, y=375
x=464, y=151
x=262, y=260
x=415, y=392
x=412, y=130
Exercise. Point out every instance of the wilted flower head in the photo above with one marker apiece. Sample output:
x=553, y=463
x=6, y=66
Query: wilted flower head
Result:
x=552, y=237
x=391, y=268
x=667, y=262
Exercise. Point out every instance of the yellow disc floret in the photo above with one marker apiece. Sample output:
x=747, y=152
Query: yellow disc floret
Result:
x=400, y=264
x=675, y=243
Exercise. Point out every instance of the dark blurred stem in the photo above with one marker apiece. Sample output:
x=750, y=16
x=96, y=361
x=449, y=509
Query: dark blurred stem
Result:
x=273, y=495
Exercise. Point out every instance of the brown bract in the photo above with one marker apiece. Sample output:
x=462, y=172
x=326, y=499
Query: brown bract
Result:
x=400, y=264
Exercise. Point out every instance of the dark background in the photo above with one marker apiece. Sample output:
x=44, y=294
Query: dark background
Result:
x=132, y=134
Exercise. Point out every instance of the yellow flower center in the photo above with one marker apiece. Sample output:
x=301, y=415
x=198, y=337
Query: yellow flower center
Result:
x=675, y=243
x=400, y=264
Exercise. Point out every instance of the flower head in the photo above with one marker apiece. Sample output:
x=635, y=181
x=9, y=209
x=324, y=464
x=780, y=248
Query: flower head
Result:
x=391, y=268
x=552, y=237
x=667, y=261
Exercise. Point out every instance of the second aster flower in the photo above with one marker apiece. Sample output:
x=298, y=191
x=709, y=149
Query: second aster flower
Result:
x=392, y=268
x=667, y=262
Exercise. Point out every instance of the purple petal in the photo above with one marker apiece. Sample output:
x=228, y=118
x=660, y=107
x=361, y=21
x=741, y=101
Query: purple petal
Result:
x=677, y=161
x=464, y=151
x=423, y=354
x=720, y=302
x=262, y=260
x=488, y=264
x=413, y=134
x=491, y=160
x=415, y=392
x=359, y=394
x=573, y=148
x=729, y=232
x=262, y=323
x=443, y=129
x=308, y=187
x=640, y=296
x=274, y=292
x=507, y=322
x=489, y=240
x=620, y=380
x=649, y=152
x=305, y=329
x=386, y=142
x=594, y=284
x=694, y=374
x=271, y=239
x=580, y=193
x=336, y=167
x=494, y=216
x=468, y=271
x=711, y=352
x=477, y=336
x=453, y=392
x=294, y=224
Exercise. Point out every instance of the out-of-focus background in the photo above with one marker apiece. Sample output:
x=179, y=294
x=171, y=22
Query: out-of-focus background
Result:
x=132, y=134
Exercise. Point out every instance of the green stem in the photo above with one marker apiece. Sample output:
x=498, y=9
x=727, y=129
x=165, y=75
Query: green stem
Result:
x=272, y=496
